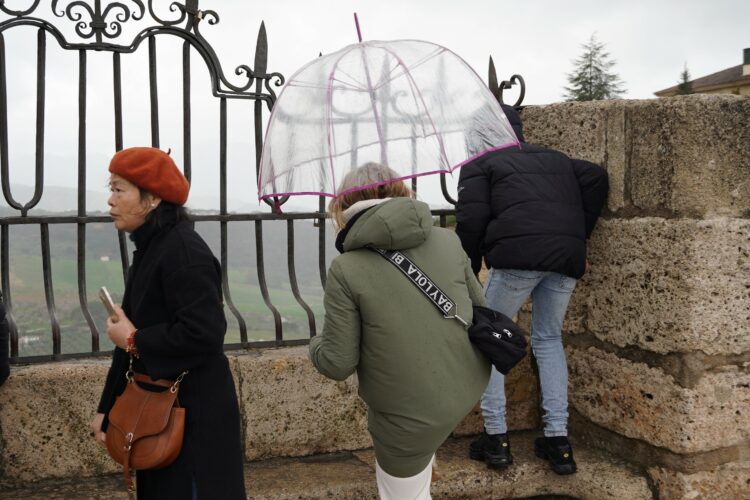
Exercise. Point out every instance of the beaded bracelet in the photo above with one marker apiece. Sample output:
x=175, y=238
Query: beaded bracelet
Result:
x=131, y=348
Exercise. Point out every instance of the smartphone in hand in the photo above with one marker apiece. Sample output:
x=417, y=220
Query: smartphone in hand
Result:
x=108, y=304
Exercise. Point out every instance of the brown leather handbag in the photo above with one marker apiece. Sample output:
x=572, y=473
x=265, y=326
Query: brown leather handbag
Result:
x=146, y=427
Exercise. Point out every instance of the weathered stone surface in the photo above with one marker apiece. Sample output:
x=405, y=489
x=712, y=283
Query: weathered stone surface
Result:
x=691, y=154
x=522, y=395
x=644, y=455
x=687, y=155
x=731, y=480
x=45, y=412
x=578, y=129
x=109, y=487
x=644, y=403
x=598, y=477
x=667, y=285
x=343, y=477
x=351, y=476
x=291, y=410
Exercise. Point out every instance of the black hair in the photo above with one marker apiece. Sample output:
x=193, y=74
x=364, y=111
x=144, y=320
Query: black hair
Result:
x=166, y=212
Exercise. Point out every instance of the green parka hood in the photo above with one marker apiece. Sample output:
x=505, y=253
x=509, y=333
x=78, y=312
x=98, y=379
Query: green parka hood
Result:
x=395, y=224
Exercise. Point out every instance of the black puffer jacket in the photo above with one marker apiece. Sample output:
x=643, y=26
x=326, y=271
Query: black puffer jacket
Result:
x=529, y=208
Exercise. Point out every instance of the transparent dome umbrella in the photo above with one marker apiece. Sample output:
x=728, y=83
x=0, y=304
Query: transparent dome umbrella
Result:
x=411, y=105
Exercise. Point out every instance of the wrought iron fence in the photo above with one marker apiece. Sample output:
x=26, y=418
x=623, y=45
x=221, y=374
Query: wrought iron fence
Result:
x=99, y=26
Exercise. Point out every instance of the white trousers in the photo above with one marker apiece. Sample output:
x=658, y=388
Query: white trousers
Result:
x=404, y=488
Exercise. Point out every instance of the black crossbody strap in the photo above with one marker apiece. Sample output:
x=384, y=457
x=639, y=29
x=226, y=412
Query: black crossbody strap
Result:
x=439, y=299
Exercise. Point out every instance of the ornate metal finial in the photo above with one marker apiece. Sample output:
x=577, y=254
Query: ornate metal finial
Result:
x=497, y=90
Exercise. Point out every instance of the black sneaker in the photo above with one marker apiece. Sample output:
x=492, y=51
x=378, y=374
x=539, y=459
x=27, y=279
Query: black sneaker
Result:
x=493, y=449
x=558, y=452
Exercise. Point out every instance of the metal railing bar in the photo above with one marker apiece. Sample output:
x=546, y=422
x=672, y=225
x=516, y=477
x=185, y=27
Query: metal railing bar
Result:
x=322, y=241
x=4, y=171
x=5, y=269
x=82, y=299
x=4, y=144
x=222, y=156
x=41, y=70
x=197, y=217
x=187, y=159
x=49, y=293
x=223, y=207
x=257, y=344
x=444, y=189
x=153, y=88
x=117, y=82
x=225, y=284
x=260, y=344
x=81, y=227
x=293, y=276
x=260, y=266
x=82, y=133
x=42, y=358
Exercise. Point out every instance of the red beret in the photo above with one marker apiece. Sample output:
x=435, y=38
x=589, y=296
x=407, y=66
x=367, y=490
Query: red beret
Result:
x=153, y=170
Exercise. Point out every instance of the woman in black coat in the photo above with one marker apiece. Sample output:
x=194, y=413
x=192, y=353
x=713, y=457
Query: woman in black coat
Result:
x=172, y=320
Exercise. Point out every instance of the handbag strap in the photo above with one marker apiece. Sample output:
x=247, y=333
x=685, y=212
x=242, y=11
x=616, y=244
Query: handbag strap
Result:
x=173, y=385
x=429, y=289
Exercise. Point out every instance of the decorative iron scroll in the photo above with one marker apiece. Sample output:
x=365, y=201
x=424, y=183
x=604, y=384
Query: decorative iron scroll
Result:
x=497, y=90
x=103, y=21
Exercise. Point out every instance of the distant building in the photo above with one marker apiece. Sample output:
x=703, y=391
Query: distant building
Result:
x=734, y=80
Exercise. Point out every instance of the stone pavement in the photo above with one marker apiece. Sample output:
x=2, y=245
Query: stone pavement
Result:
x=350, y=475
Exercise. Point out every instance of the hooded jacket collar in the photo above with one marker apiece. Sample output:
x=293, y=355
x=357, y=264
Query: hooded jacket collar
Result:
x=393, y=224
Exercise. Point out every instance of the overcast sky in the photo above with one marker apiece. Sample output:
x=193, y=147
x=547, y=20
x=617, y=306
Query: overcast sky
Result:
x=650, y=40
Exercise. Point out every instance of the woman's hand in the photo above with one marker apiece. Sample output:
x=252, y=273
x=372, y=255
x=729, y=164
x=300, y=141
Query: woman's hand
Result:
x=96, y=429
x=120, y=330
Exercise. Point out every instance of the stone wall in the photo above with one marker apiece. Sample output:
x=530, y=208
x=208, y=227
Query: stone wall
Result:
x=287, y=409
x=658, y=333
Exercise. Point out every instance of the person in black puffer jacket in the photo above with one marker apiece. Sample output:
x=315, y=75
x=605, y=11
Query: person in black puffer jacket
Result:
x=529, y=212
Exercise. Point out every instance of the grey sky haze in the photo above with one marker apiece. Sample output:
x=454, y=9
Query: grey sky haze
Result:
x=539, y=39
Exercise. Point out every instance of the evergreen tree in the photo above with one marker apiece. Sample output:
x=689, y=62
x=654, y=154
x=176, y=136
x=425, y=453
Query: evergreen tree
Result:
x=686, y=85
x=592, y=79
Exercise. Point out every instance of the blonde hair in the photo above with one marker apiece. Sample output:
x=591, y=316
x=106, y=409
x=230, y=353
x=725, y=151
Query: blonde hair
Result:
x=377, y=176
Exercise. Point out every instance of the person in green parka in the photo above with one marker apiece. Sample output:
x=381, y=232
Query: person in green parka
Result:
x=418, y=372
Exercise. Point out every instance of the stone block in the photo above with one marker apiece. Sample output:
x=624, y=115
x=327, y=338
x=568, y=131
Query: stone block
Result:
x=341, y=477
x=644, y=403
x=598, y=476
x=731, y=480
x=688, y=155
x=45, y=412
x=593, y=131
x=667, y=285
x=289, y=409
x=578, y=129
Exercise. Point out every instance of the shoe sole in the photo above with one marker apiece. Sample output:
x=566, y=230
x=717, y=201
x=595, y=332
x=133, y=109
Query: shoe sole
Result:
x=491, y=464
x=562, y=470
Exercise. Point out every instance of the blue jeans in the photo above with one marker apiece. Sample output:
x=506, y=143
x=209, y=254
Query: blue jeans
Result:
x=506, y=290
